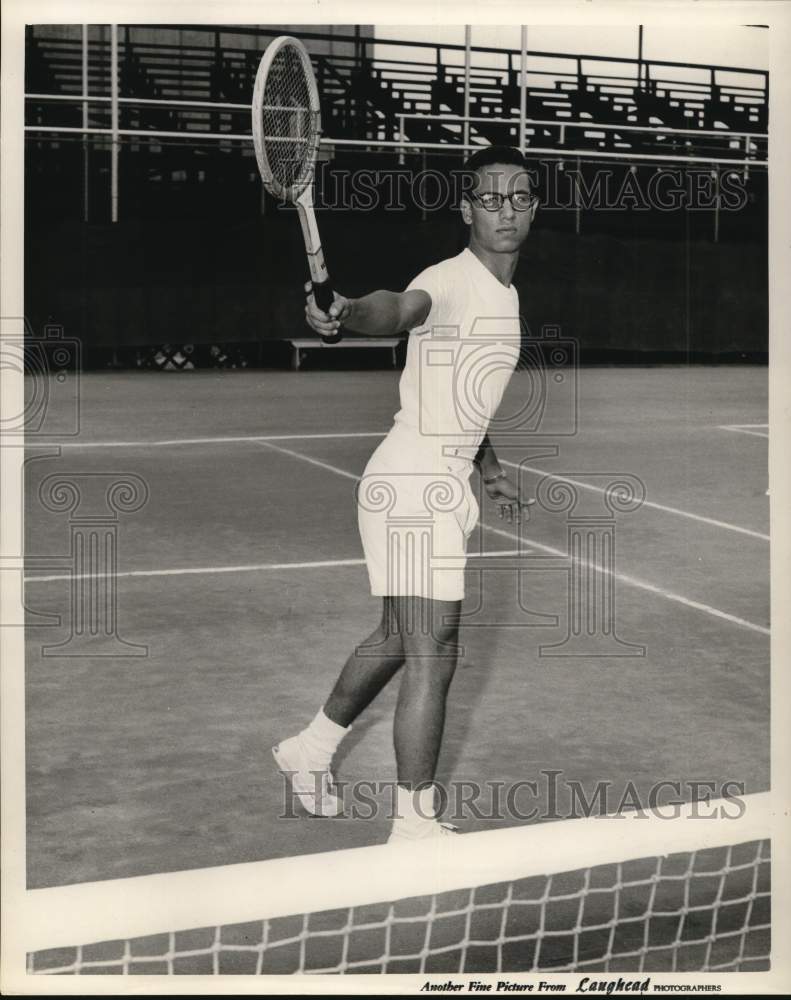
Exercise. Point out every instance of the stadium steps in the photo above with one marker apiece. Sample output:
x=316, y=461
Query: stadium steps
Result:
x=54, y=65
x=234, y=75
x=179, y=72
x=609, y=106
x=40, y=76
x=735, y=112
x=363, y=98
x=384, y=96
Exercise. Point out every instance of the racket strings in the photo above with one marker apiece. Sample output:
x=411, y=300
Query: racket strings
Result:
x=289, y=123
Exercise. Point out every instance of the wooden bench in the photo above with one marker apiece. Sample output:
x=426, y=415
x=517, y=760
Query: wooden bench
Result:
x=302, y=344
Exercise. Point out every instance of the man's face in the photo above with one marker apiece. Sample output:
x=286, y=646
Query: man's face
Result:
x=505, y=229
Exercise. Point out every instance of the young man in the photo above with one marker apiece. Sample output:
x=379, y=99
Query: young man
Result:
x=419, y=477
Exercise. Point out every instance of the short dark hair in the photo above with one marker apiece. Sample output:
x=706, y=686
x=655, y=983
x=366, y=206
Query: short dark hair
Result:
x=487, y=156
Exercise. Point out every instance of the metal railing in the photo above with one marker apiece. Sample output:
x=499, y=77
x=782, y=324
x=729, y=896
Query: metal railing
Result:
x=745, y=147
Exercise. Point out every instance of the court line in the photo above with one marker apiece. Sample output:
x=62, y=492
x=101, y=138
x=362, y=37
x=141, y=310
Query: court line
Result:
x=251, y=568
x=258, y=567
x=652, y=588
x=171, y=442
x=629, y=580
x=745, y=429
x=312, y=461
x=333, y=563
x=646, y=503
x=266, y=438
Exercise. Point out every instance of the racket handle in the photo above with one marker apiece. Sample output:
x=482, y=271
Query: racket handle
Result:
x=322, y=293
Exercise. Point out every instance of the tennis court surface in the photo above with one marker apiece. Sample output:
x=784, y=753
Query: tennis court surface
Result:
x=240, y=590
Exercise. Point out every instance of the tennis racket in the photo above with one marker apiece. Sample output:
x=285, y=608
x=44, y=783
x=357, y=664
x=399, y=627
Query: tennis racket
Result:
x=286, y=132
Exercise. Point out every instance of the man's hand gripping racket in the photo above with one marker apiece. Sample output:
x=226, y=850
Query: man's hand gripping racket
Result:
x=326, y=322
x=286, y=133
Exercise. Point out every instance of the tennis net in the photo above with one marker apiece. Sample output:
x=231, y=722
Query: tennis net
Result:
x=638, y=892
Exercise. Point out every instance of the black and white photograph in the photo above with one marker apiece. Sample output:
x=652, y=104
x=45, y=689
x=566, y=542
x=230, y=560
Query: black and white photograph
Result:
x=394, y=546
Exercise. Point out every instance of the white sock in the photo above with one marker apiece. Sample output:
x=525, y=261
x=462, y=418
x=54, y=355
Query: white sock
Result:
x=322, y=736
x=415, y=810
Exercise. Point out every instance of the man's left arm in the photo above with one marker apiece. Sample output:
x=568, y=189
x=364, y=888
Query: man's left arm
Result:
x=499, y=486
x=486, y=460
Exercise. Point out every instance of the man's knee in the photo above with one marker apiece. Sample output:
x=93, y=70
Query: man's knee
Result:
x=423, y=623
x=383, y=642
x=439, y=644
x=436, y=637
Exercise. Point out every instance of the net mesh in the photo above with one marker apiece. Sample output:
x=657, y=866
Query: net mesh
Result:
x=288, y=123
x=702, y=910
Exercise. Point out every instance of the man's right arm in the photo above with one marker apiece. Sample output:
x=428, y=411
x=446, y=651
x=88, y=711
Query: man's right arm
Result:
x=378, y=314
x=383, y=313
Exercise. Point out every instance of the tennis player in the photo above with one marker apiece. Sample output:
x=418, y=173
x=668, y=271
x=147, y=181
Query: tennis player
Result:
x=422, y=471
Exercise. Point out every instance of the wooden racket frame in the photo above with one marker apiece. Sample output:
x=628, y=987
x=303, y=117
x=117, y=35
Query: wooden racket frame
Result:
x=300, y=193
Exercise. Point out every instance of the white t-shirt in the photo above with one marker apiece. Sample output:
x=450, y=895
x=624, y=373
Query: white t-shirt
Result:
x=460, y=360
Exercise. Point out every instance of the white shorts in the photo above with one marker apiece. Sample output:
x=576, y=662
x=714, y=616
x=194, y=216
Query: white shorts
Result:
x=415, y=511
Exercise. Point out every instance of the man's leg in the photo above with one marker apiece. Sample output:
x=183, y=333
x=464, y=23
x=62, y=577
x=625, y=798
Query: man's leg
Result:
x=369, y=668
x=306, y=757
x=429, y=632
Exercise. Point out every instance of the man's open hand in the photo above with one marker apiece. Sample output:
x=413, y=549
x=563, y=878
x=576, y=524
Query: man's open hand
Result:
x=505, y=494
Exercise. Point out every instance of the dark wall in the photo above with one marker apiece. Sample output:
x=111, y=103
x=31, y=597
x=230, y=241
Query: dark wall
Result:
x=143, y=282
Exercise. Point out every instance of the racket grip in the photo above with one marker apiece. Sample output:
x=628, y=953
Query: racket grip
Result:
x=322, y=293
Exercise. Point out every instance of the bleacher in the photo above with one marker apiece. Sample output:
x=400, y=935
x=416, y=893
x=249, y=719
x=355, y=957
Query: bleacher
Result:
x=365, y=97
x=198, y=255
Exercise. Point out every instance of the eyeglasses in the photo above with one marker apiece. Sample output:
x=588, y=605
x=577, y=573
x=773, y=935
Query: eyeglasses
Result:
x=493, y=201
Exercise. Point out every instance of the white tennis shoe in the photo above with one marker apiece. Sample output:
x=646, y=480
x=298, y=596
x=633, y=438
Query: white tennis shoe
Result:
x=410, y=833
x=311, y=782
